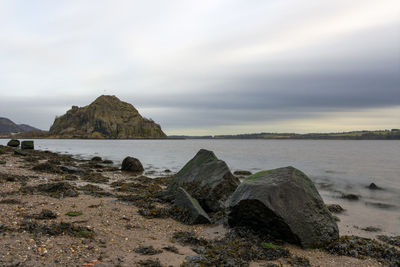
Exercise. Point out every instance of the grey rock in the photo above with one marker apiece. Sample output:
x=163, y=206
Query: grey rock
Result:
x=207, y=179
x=132, y=165
x=97, y=158
x=352, y=197
x=285, y=204
x=13, y=143
x=373, y=186
x=185, y=201
x=27, y=145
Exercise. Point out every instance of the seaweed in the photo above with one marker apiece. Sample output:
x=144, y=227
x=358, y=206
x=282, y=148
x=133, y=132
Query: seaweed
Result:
x=74, y=213
x=56, y=229
x=56, y=190
x=360, y=247
x=150, y=263
x=147, y=250
x=392, y=240
x=237, y=248
x=47, y=167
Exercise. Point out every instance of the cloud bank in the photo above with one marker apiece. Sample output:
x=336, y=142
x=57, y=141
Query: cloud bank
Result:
x=200, y=67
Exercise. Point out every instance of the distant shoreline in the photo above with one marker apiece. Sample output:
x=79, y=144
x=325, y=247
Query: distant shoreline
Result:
x=393, y=134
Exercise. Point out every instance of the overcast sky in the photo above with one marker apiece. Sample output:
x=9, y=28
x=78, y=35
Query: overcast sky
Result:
x=206, y=67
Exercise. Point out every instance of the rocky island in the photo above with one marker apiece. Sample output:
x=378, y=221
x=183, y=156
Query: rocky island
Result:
x=105, y=118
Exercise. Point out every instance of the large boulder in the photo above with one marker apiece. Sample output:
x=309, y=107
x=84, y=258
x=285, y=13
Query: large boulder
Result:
x=207, y=179
x=132, y=165
x=13, y=143
x=27, y=145
x=285, y=204
x=186, y=202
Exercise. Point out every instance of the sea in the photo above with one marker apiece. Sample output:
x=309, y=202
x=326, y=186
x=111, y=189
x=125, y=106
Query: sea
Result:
x=336, y=167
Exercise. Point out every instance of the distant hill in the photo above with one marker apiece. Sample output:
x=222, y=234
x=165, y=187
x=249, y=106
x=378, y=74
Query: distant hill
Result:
x=393, y=134
x=7, y=126
x=106, y=117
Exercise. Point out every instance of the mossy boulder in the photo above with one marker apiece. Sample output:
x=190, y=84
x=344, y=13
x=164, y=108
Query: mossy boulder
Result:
x=13, y=143
x=132, y=165
x=283, y=203
x=27, y=145
x=207, y=179
x=185, y=201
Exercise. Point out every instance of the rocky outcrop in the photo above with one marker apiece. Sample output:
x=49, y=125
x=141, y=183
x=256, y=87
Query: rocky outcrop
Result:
x=283, y=203
x=131, y=164
x=106, y=117
x=186, y=202
x=207, y=179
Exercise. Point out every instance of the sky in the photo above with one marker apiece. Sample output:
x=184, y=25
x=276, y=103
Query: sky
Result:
x=206, y=67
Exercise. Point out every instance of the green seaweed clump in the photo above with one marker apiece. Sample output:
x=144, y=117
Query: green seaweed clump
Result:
x=56, y=229
x=74, y=213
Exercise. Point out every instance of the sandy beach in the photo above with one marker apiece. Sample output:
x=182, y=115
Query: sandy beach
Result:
x=99, y=217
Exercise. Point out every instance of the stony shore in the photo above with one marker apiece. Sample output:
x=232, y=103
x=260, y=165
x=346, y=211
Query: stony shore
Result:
x=60, y=211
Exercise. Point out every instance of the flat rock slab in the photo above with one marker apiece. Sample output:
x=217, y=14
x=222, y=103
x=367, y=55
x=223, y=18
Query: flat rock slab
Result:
x=285, y=204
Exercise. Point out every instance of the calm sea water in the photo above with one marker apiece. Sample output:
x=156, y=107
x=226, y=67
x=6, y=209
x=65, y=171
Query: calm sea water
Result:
x=335, y=166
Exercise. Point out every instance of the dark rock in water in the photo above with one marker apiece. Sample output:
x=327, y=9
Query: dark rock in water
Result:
x=132, y=165
x=283, y=203
x=335, y=208
x=242, y=172
x=13, y=143
x=19, y=152
x=350, y=196
x=27, y=145
x=360, y=247
x=71, y=169
x=371, y=229
x=380, y=205
x=207, y=179
x=373, y=186
x=185, y=201
x=167, y=170
x=96, y=159
x=107, y=161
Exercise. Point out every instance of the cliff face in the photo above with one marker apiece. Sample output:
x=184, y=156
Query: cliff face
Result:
x=106, y=117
